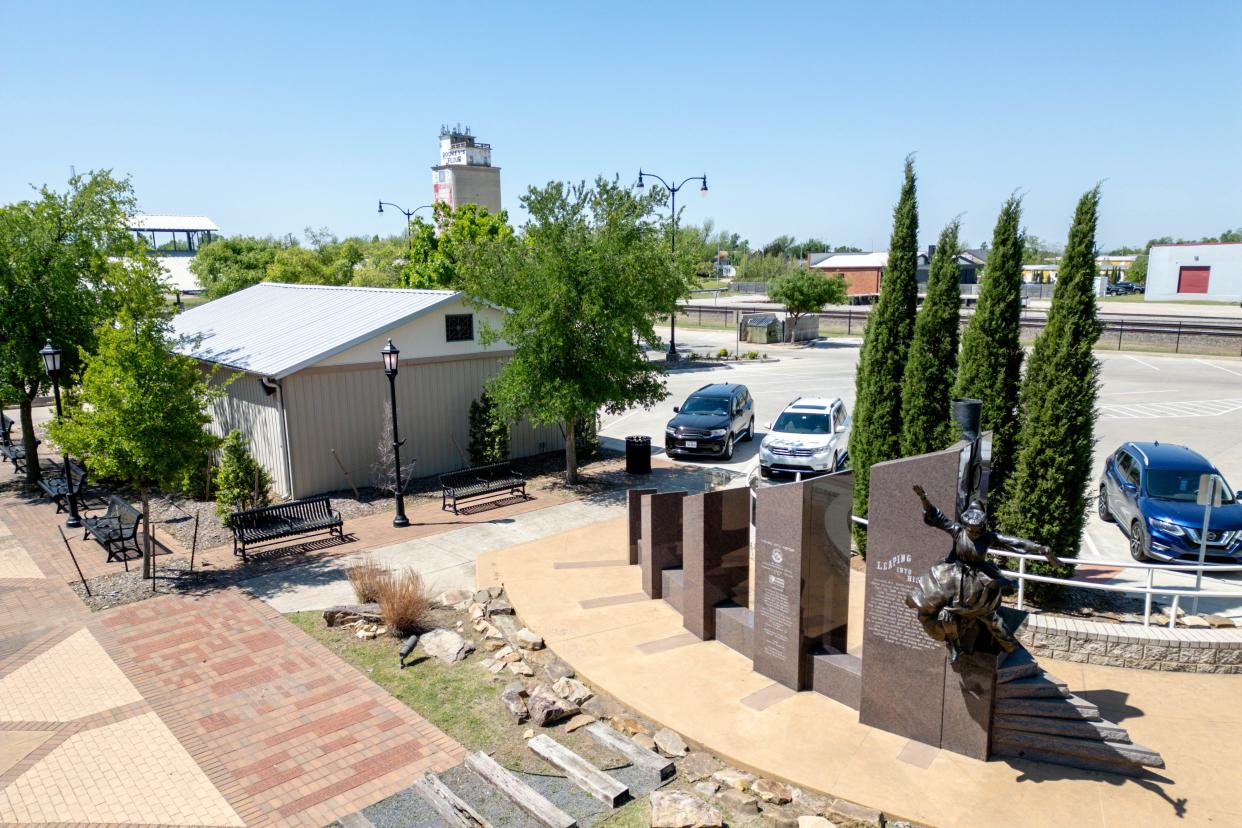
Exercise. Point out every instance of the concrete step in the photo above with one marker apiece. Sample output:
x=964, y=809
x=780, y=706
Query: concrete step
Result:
x=1018, y=664
x=1033, y=687
x=1072, y=707
x=1088, y=754
x=1100, y=730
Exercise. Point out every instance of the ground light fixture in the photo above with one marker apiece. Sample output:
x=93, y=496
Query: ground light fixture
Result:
x=51, y=363
x=672, y=190
x=390, y=356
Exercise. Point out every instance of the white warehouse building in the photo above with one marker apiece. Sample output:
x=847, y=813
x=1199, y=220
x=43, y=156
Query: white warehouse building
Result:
x=1207, y=270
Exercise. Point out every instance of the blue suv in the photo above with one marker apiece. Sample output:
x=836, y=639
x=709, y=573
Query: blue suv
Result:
x=1149, y=489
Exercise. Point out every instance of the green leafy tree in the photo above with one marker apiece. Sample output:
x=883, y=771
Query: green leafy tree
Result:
x=931, y=370
x=991, y=361
x=298, y=266
x=805, y=291
x=876, y=434
x=489, y=433
x=230, y=264
x=435, y=260
x=1035, y=250
x=1047, y=500
x=241, y=483
x=588, y=281
x=141, y=414
x=67, y=263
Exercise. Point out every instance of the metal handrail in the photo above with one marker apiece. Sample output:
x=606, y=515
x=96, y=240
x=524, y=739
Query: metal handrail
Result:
x=1147, y=590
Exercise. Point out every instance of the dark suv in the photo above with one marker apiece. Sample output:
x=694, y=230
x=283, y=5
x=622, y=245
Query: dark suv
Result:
x=710, y=421
x=1150, y=490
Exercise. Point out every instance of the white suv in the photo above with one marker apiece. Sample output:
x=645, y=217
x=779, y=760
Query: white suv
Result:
x=811, y=436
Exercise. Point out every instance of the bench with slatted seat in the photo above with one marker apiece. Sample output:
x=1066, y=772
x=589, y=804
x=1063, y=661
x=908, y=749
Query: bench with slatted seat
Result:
x=498, y=478
x=57, y=488
x=115, y=530
x=15, y=453
x=283, y=520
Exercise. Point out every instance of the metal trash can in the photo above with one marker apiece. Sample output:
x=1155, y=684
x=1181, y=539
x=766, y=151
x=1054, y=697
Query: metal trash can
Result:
x=638, y=455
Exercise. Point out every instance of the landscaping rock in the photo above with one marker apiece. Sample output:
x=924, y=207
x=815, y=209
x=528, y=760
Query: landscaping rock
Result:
x=644, y=741
x=698, y=765
x=816, y=822
x=499, y=606
x=367, y=633
x=351, y=613
x=772, y=791
x=809, y=802
x=601, y=707
x=1193, y=622
x=1218, y=621
x=528, y=640
x=735, y=779
x=669, y=743
x=520, y=668
x=581, y=720
x=497, y=666
x=706, y=788
x=528, y=734
x=739, y=802
x=514, y=699
x=445, y=645
x=558, y=669
x=507, y=655
x=476, y=611
x=628, y=725
x=454, y=598
x=495, y=591
x=845, y=810
x=572, y=689
x=780, y=817
x=679, y=809
x=546, y=707
x=492, y=645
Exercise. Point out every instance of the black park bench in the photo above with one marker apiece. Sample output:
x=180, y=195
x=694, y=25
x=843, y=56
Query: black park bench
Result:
x=57, y=489
x=15, y=453
x=283, y=520
x=115, y=530
x=479, y=481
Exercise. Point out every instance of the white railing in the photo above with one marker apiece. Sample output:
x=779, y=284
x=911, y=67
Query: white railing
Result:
x=1147, y=589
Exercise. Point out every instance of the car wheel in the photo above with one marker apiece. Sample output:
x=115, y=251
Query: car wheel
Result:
x=1138, y=541
x=728, y=450
x=750, y=431
x=1101, y=505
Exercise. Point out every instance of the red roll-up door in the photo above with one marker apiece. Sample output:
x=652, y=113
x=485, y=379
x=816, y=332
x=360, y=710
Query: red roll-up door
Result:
x=1193, y=279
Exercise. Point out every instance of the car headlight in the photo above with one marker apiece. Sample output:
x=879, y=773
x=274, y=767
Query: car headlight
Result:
x=718, y=432
x=671, y=432
x=1166, y=526
x=823, y=451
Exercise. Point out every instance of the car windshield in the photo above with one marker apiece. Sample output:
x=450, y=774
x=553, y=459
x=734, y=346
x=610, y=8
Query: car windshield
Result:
x=1164, y=484
x=706, y=405
x=799, y=422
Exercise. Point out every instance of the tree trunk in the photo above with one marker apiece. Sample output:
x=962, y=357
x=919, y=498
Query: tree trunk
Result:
x=33, y=472
x=793, y=327
x=147, y=551
x=571, y=452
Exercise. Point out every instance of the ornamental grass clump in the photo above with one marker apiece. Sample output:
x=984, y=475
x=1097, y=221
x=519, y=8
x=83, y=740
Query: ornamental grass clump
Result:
x=404, y=602
x=368, y=579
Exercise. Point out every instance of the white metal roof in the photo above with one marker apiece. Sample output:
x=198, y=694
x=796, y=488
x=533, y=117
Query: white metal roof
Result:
x=155, y=221
x=275, y=329
x=853, y=260
x=177, y=273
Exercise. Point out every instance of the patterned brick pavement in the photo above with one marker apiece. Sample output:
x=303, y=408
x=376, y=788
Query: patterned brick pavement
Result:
x=182, y=710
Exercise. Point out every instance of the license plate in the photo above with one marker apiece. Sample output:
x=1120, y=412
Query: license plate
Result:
x=692, y=444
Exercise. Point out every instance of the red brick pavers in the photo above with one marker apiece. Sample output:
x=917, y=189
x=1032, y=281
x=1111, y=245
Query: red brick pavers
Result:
x=289, y=732
x=226, y=694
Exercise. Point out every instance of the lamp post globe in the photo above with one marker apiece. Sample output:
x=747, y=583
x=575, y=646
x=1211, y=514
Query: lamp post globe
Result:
x=52, y=364
x=390, y=356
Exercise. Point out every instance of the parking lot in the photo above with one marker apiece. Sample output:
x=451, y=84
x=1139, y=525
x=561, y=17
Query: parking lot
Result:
x=1192, y=401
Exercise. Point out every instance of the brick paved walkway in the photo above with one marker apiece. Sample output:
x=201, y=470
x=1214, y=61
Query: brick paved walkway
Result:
x=182, y=710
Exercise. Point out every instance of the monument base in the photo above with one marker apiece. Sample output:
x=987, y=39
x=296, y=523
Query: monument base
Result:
x=735, y=628
x=837, y=676
x=670, y=586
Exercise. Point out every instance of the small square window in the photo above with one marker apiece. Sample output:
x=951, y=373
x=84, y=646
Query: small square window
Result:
x=459, y=327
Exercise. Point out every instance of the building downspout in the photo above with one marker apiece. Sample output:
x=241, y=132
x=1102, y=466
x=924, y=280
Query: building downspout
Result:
x=284, y=439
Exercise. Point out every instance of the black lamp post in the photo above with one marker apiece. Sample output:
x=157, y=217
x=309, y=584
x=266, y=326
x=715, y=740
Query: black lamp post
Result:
x=390, y=355
x=672, y=339
x=51, y=361
x=409, y=214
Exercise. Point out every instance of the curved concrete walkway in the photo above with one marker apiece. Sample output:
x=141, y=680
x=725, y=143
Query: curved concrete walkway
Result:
x=593, y=613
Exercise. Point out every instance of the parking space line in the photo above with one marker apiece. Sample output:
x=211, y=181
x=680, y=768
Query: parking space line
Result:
x=1220, y=367
x=1141, y=362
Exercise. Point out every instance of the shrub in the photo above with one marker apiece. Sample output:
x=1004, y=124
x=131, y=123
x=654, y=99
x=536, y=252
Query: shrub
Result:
x=368, y=579
x=241, y=483
x=723, y=353
x=403, y=602
x=489, y=433
x=751, y=355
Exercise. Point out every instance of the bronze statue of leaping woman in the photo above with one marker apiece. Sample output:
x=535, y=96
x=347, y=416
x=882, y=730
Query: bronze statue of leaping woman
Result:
x=961, y=596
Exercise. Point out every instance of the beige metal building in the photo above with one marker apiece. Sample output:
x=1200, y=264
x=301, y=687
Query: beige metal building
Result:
x=307, y=378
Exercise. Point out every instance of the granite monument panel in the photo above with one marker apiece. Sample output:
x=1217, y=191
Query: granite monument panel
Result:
x=715, y=556
x=903, y=668
x=659, y=540
x=802, y=569
x=634, y=502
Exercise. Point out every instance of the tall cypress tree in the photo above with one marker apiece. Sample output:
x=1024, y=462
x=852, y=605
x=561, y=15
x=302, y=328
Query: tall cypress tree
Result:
x=1047, y=498
x=931, y=370
x=876, y=431
x=991, y=362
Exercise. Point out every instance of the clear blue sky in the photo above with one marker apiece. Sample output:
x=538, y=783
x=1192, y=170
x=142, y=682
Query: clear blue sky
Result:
x=271, y=117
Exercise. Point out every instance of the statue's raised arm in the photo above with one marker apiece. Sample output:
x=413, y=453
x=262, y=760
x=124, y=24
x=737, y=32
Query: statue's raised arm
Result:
x=933, y=516
x=1030, y=547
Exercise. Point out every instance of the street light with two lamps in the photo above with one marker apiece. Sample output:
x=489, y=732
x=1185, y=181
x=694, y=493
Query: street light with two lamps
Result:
x=672, y=189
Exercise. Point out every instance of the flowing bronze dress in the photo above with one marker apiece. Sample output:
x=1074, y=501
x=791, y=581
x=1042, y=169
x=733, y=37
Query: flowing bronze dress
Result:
x=959, y=597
